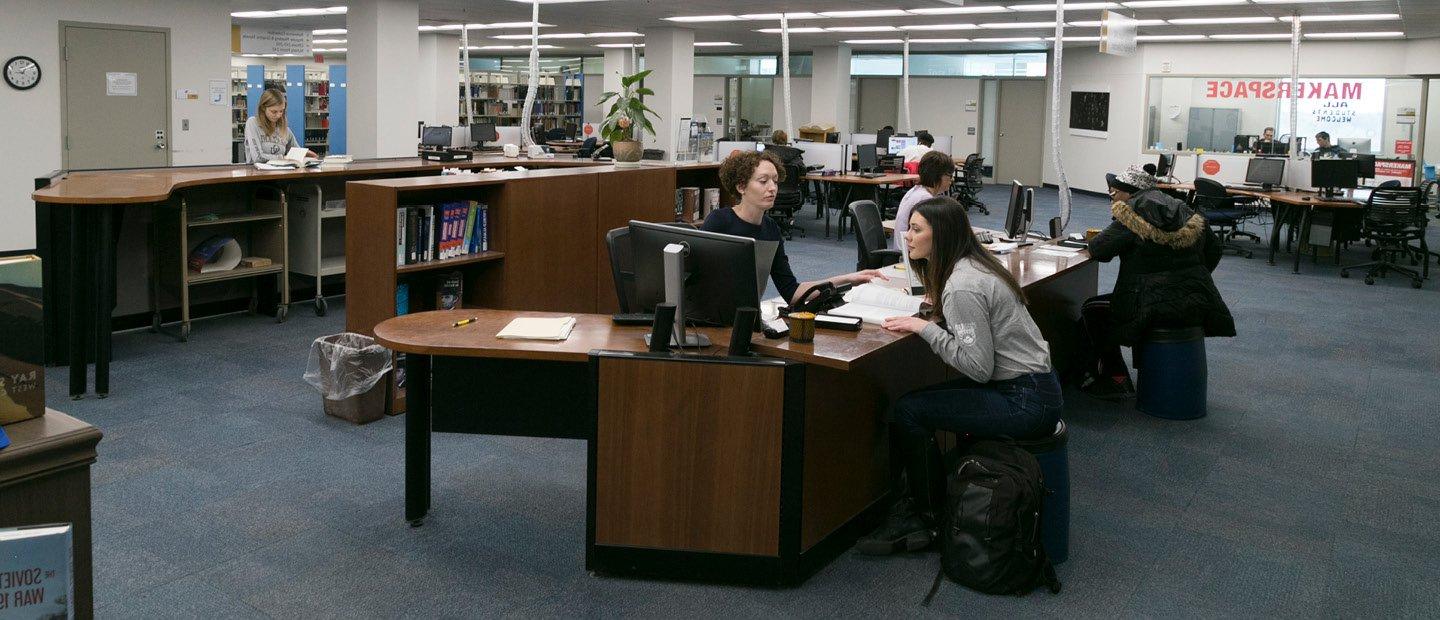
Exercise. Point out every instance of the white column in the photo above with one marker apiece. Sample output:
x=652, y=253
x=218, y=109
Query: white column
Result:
x=383, y=52
x=670, y=52
x=617, y=63
x=830, y=87
x=438, y=93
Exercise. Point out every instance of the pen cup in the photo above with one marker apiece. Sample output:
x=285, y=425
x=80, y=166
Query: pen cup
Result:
x=1090, y=233
x=802, y=327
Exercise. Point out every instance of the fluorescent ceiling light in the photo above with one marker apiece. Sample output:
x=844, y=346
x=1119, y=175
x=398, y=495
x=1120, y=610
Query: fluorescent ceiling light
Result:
x=513, y=47
x=1190, y=21
x=1097, y=23
x=1007, y=40
x=1371, y=17
x=1170, y=37
x=1165, y=4
x=874, y=41
x=712, y=44
x=960, y=10
x=622, y=45
x=552, y=1
x=571, y=35
x=330, y=49
x=776, y=16
x=1018, y=25
x=254, y=15
x=941, y=27
x=324, y=41
x=939, y=40
x=806, y=30
x=1069, y=6
x=1354, y=35
x=704, y=18
x=867, y=13
x=1306, y=1
x=1249, y=37
x=329, y=31
x=861, y=29
x=334, y=10
x=1075, y=39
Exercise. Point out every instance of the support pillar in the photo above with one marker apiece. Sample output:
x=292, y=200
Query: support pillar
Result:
x=438, y=94
x=383, y=51
x=670, y=52
x=830, y=87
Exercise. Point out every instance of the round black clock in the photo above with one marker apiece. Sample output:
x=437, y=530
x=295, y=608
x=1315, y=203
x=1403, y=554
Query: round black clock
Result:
x=22, y=72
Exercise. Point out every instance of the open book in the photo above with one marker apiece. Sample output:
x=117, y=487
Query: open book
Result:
x=294, y=158
x=874, y=303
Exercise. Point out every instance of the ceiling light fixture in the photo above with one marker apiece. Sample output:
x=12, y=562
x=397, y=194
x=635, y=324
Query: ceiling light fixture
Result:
x=712, y=44
x=1018, y=25
x=570, y=35
x=941, y=27
x=1307, y=1
x=1097, y=23
x=1166, y=4
x=704, y=18
x=874, y=41
x=867, y=13
x=1069, y=6
x=776, y=16
x=1195, y=21
x=1076, y=39
x=805, y=30
x=622, y=45
x=939, y=40
x=861, y=29
x=1370, y=17
x=1007, y=40
x=1250, y=37
x=1170, y=37
x=1355, y=35
x=960, y=10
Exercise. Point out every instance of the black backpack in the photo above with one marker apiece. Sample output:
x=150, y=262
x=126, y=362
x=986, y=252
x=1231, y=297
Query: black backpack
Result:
x=990, y=530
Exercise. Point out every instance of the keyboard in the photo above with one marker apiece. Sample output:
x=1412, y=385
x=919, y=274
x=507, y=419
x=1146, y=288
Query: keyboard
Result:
x=870, y=175
x=632, y=318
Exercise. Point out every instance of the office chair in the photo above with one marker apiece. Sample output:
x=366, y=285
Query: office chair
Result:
x=556, y=133
x=587, y=148
x=1223, y=215
x=622, y=267
x=789, y=200
x=971, y=181
x=1394, y=219
x=1429, y=199
x=1244, y=143
x=882, y=138
x=871, y=250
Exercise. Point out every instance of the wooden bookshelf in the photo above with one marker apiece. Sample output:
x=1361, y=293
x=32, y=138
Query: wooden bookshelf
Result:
x=449, y=263
x=499, y=98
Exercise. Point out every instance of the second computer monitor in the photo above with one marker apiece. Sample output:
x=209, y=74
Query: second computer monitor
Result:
x=1017, y=218
x=435, y=136
x=1165, y=165
x=900, y=143
x=1267, y=172
x=720, y=271
x=483, y=132
x=1358, y=145
x=1334, y=173
x=865, y=157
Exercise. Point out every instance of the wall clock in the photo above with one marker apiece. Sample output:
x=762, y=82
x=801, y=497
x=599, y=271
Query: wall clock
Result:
x=22, y=72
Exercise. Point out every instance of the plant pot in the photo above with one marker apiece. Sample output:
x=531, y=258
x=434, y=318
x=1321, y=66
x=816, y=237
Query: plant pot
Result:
x=628, y=152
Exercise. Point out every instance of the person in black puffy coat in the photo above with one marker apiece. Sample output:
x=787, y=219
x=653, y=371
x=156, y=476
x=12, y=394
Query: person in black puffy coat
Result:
x=1166, y=256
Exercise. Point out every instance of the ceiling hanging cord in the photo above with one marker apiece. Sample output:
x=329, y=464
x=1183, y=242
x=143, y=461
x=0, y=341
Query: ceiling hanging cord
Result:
x=785, y=70
x=1055, y=114
x=1294, y=85
x=905, y=81
x=526, y=137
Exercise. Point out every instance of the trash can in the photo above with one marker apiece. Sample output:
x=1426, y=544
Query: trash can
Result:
x=347, y=370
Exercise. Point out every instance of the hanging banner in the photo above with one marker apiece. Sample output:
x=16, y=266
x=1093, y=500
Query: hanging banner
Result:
x=278, y=41
x=1117, y=34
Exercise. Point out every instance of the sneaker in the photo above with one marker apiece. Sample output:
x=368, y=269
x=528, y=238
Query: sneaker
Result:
x=1108, y=388
x=903, y=530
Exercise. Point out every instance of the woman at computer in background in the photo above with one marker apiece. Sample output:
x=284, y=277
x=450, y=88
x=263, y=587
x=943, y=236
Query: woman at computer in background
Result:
x=981, y=328
x=266, y=135
x=937, y=170
x=753, y=179
x=1166, y=256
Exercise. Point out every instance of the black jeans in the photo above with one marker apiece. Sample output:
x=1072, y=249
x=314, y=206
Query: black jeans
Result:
x=1024, y=407
x=1104, y=357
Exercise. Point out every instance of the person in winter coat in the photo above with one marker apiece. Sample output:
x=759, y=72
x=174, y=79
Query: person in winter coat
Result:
x=1166, y=256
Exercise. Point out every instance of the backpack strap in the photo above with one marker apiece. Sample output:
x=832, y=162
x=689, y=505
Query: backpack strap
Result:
x=935, y=587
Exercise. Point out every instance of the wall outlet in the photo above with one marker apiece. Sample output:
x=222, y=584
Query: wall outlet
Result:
x=184, y=124
x=1166, y=67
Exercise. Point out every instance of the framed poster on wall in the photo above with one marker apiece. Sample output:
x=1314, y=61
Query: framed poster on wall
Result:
x=1090, y=114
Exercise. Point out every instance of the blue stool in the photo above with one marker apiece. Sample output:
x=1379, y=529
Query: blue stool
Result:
x=1054, y=459
x=1171, y=368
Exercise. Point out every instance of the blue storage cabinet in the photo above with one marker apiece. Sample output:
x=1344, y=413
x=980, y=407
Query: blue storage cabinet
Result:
x=338, y=106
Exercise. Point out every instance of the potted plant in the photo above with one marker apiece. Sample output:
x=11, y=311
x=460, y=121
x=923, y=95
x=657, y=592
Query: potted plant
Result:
x=626, y=113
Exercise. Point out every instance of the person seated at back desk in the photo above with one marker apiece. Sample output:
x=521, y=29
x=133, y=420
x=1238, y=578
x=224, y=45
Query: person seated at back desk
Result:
x=923, y=143
x=937, y=171
x=753, y=178
x=1166, y=256
x=1266, y=145
x=1324, y=148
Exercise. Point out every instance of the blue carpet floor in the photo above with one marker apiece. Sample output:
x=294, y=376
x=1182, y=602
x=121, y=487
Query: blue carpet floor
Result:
x=1312, y=489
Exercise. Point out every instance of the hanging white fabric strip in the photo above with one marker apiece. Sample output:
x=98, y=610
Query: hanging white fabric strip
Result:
x=1294, y=85
x=789, y=126
x=905, y=82
x=534, y=83
x=1055, y=114
x=465, y=61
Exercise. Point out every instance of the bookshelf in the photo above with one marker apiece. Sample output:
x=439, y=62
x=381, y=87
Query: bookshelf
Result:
x=499, y=98
x=317, y=112
x=239, y=112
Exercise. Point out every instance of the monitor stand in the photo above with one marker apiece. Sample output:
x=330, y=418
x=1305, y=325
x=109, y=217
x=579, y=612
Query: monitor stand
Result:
x=675, y=254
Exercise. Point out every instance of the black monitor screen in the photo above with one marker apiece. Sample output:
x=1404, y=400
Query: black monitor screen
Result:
x=1015, y=220
x=1334, y=173
x=435, y=136
x=720, y=271
x=1367, y=166
x=1265, y=171
x=1164, y=166
x=866, y=158
x=483, y=132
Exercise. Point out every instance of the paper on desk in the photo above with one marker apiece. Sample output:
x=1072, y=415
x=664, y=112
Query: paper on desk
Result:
x=536, y=328
x=1001, y=247
x=1057, y=250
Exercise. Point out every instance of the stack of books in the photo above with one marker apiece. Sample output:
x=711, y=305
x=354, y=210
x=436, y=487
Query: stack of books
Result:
x=440, y=231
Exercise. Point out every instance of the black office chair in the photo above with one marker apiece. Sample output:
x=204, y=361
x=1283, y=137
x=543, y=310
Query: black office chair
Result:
x=789, y=199
x=1223, y=215
x=971, y=180
x=556, y=133
x=622, y=266
x=871, y=250
x=587, y=148
x=1394, y=219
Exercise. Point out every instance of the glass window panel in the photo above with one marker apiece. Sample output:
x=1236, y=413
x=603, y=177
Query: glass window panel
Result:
x=952, y=65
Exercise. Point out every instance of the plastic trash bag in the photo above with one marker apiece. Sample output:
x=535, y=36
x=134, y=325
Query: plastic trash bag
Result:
x=344, y=365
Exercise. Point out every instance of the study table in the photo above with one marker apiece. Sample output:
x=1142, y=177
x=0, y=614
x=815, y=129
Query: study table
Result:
x=1286, y=205
x=851, y=181
x=78, y=218
x=699, y=465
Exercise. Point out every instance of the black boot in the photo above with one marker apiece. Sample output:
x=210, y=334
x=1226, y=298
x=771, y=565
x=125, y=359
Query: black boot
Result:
x=910, y=526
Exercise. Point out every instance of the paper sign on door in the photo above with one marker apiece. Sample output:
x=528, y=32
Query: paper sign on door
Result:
x=122, y=84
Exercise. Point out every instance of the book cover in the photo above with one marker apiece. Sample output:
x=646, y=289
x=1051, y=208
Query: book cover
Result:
x=22, y=340
x=400, y=236
x=447, y=228
x=402, y=299
x=467, y=246
x=449, y=291
x=485, y=229
x=35, y=572
x=412, y=229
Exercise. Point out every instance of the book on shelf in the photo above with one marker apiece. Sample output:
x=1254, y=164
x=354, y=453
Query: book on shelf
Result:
x=442, y=231
x=402, y=299
x=449, y=290
x=22, y=340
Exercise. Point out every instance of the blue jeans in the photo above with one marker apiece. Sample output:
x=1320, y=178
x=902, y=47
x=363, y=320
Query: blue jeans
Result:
x=1025, y=407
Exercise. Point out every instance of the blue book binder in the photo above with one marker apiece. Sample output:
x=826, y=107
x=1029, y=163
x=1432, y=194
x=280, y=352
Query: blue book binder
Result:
x=4, y=440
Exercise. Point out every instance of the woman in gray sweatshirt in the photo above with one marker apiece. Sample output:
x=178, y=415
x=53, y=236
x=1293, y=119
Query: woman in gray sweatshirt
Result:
x=981, y=328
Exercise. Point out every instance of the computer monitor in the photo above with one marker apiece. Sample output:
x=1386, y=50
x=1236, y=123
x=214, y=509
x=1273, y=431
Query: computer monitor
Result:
x=1244, y=143
x=1265, y=171
x=1165, y=166
x=720, y=272
x=900, y=143
x=1017, y=217
x=865, y=157
x=1367, y=165
x=832, y=137
x=480, y=133
x=436, y=136
x=1332, y=174
x=1359, y=145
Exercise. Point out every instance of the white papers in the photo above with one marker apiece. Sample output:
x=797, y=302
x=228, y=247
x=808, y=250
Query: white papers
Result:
x=535, y=328
x=1057, y=250
x=874, y=303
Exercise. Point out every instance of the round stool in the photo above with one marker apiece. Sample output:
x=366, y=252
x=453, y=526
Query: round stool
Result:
x=1171, y=382
x=1054, y=458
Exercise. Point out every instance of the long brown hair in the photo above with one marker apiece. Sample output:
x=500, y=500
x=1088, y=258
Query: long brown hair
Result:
x=269, y=99
x=952, y=240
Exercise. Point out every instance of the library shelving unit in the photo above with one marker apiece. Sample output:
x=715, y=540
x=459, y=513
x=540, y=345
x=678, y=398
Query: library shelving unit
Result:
x=239, y=112
x=257, y=222
x=317, y=235
x=499, y=98
x=317, y=112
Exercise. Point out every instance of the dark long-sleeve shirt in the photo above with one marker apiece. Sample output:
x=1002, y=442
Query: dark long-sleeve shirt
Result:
x=725, y=221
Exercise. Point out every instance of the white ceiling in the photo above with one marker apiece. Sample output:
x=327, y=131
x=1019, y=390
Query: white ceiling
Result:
x=1419, y=19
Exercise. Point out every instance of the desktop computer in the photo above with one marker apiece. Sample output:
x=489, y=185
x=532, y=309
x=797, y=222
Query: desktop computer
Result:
x=900, y=143
x=437, y=137
x=1165, y=167
x=707, y=276
x=1265, y=173
x=1357, y=145
x=866, y=159
x=1333, y=174
x=480, y=133
x=1019, y=212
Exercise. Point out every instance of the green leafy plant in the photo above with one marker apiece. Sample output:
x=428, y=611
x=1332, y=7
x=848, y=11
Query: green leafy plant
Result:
x=627, y=110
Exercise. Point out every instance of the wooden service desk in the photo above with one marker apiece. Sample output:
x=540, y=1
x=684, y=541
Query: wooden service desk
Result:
x=1294, y=207
x=700, y=466
x=79, y=217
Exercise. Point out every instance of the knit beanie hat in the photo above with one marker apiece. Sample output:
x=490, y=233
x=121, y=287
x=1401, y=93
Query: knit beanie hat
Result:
x=1133, y=180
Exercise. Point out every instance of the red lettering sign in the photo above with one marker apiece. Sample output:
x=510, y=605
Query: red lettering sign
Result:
x=1211, y=167
x=1394, y=169
x=1272, y=89
x=1404, y=147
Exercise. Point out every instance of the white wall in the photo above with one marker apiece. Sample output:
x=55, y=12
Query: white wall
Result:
x=707, y=88
x=199, y=52
x=938, y=105
x=1087, y=159
x=799, y=104
x=879, y=104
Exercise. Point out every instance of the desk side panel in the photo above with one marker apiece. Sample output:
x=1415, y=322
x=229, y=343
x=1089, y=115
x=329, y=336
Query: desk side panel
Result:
x=369, y=256
x=546, y=228
x=1055, y=306
x=644, y=194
